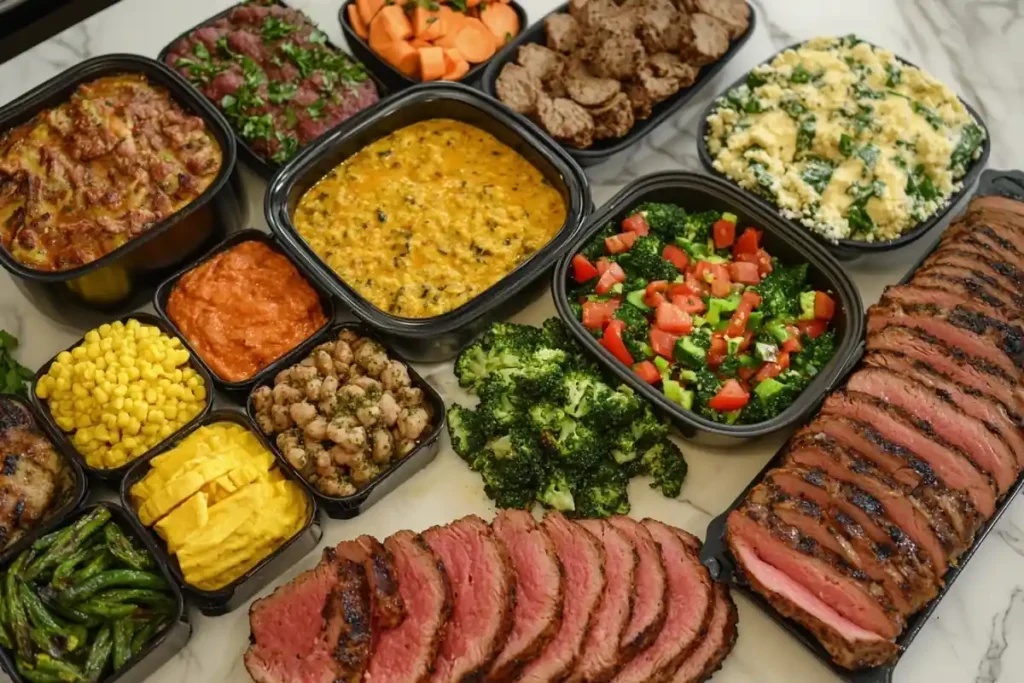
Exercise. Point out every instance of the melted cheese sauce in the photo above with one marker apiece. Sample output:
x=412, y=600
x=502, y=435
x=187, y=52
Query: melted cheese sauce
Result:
x=427, y=218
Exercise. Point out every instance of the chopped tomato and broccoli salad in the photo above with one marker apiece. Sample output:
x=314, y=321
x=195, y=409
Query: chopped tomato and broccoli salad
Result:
x=699, y=308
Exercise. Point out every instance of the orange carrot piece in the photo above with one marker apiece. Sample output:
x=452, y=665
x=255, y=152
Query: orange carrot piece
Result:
x=431, y=63
x=403, y=56
x=368, y=9
x=427, y=24
x=473, y=3
x=502, y=21
x=358, y=25
x=455, y=64
x=447, y=41
x=476, y=42
x=396, y=24
x=379, y=36
x=418, y=43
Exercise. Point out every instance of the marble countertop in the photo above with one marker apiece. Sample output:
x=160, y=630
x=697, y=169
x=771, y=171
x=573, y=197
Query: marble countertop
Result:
x=970, y=44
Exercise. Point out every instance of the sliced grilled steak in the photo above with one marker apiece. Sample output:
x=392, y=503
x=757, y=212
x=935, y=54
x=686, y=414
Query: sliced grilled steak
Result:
x=849, y=645
x=970, y=253
x=540, y=591
x=947, y=293
x=582, y=559
x=952, y=362
x=717, y=643
x=649, y=598
x=997, y=249
x=1003, y=240
x=996, y=203
x=689, y=610
x=388, y=609
x=971, y=286
x=962, y=262
x=953, y=468
x=599, y=658
x=405, y=654
x=483, y=592
x=349, y=619
x=1006, y=226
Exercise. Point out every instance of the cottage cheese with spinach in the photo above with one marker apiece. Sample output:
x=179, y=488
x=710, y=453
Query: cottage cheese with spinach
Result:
x=845, y=138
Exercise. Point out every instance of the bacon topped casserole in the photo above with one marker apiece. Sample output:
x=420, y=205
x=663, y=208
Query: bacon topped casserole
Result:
x=82, y=179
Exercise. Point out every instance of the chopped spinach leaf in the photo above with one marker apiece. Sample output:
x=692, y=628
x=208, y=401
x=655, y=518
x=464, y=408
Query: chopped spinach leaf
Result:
x=806, y=132
x=894, y=75
x=817, y=173
x=755, y=79
x=765, y=180
x=930, y=115
x=920, y=185
x=793, y=106
x=869, y=155
x=963, y=154
x=800, y=75
x=863, y=92
x=845, y=145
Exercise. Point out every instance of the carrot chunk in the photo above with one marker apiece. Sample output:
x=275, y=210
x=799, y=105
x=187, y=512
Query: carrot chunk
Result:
x=431, y=63
x=476, y=42
x=502, y=21
x=358, y=25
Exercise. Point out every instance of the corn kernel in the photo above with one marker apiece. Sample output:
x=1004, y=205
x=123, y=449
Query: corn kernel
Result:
x=79, y=353
x=133, y=373
x=82, y=421
x=171, y=412
x=150, y=429
x=118, y=326
x=92, y=337
x=121, y=390
x=123, y=419
x=104, y=330
x=64, y=357
x=199, y=393
x=166, y=430
x=65, y=422
x=43, y=389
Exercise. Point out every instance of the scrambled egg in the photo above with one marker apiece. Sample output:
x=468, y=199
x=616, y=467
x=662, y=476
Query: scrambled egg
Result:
x=425, y=219
x=845, y=138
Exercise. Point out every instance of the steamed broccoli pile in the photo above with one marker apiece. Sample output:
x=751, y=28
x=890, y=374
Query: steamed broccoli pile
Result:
x=550, y=429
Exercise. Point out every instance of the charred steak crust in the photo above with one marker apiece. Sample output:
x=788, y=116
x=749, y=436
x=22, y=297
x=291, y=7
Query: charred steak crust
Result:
x=649, y=600
x=379, y=565
x=716, y=645
x=347, y=612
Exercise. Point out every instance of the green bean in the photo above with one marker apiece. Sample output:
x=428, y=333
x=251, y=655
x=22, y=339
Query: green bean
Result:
x=41, y=618
x=122, y=642
x=116, y=577
x=53, y=645
x=5, y=638
x=19, y=619
x=65, y=546
x=44, y=542
x=142, y=596
x=121, y=547
x=32, y=675
x=108, y=611
x=146, y=633
x=101, y=563
x=99, y=655
x=49, y=598
x=62, y=574
x=67, y=672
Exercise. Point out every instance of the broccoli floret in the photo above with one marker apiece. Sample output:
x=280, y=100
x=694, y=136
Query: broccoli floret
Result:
x=780, y=289
x=580, y=387
x=698, y=225
x=539, y=375
x=514, y=337
x=555, y=492
x=815, y=354
x=595, y=248
x=761, y=409
x=546, y=417
x=644, y=431
x=637, y=331
x=466, y=431
x=644, y=261
x=602, y=493
x=510, y=466
x=665, y=463
x=667, y=221
x=613, y=408
x=478, y=361
x=557, y=336
x=499, y=407
x=576, y=444
x=706, y=386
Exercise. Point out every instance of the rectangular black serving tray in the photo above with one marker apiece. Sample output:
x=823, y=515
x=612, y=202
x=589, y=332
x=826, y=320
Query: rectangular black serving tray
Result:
x=144, y=260
x=602, y=150
x=399, y=472
x=238, y=592
x=164, y=645
x=394, y=78
x=847, y=249
x=113, y=476
x=430, y=340
x=258, y=163
x=698, y=192
x=163, y=292
x=716, y=557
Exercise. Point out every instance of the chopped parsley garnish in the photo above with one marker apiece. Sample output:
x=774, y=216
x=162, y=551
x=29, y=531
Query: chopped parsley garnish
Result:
x=279, y=93
x=200, y=51
x=287, y=147
x=258, y=127
x=316, y=110
x=930, y=115
x=275, y=28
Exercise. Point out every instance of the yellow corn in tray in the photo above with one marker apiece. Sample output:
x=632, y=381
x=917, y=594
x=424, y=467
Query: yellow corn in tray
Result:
x=123, y=390
x=220, y=503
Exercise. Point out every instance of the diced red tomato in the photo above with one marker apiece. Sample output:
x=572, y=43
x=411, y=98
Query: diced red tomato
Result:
x=648, y=372
x=696, y=286
x=636, y=223
x=597, y=314
x=768, y=370
x=764, y=262
x=824, y=306
x=654, y=294
x=730, y=397
x=783, y=360
x=616, y=244
x=582, y=269
x=689, y=303
x=724, y=234
x=603, y=264
x=745, y=373
x=718, y=351
x=745, y=273
x=738, y=322
x=721, y=288
x=663, y=343
x=612, y=340
x=673, y=319
x=812, y=328
x=752, y=298
x=676, y=256
x=702, y=271
x=614, y=275
x=748, y=339
x=748, y=243
x=792, y=345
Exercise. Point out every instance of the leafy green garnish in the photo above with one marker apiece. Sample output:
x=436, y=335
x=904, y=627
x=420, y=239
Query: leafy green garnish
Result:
x=930, y=115
x=805, y=132
x=279, y=93
x=817, y=173
x=287, y=148
x=275, y=28
x=13, y=375
x=800, y=75
x=316, y=110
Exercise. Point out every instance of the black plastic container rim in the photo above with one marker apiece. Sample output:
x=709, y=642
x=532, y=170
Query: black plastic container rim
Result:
x=249, y=235
x=849, y=245
x=140, y=468
x=181, y=92
x=513, y=282
x=475, y=71
x=848, y=350
x=440, y=416
x=80, y=485
x=263, y=166
x=604, y=149
x=123, y=517
x=43, y=407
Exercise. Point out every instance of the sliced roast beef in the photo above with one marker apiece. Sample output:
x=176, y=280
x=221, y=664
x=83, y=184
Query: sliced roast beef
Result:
x=946, y=293
x=405, y=654
x=1004, y=225
x=996, y=248
x=388, y=609
x=986, y=287
x=483, y=592
x=649, y=599
x=953, y=468
x=599, y=658
x=717, y=643
x=997, y=203
x=582, y=559
x=980, y=293
x=1003, y=240
x=349, y=621
x=689, y=610
x=954, y=257
x=972, y=254
x=540, y=590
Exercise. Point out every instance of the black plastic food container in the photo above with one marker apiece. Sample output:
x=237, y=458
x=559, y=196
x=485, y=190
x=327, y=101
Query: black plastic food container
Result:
x=326, y=304
x=847, y=249
x=79, y=485
x=602, y=150
x=441, y=337
x=113, y=475
x=165, y=644
x=395, y=79
x=352, y=506
x=716, y=556
x=696, y=192
x=125, y=273
x=265, y=167
x=237, y=593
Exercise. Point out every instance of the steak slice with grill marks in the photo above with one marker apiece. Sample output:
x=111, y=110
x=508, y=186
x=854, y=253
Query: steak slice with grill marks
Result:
x=982, y=252
x=977, y=289
x=483, y=590
x=405, y=654
x=955, y=256
x=947, y=293
x=649, y=598
x=540, y=590
x=388, y=609
x=998, y=247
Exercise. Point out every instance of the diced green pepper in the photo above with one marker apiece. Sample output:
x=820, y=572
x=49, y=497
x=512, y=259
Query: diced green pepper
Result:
x=718, y=306
x=662, y=364
x=729, y=217
x=733, y=345
x=807, y=305
x=755, y=320
x=768, y=388
x=777, y=328
x=637, y=299
x=689, y=354
x=677, y=394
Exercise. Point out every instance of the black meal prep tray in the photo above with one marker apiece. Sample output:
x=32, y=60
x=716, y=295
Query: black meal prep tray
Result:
x=79, y=484
x=163, y=292
x=428, y=340
x=165, y=644
x=113, y=476
x=395, y=79
x=697, y=192
x=263, y=166
x=238, y=592
x=716, y=557
x=602, y=150
x=143, y=261
x=398, y=472
x=847, y=249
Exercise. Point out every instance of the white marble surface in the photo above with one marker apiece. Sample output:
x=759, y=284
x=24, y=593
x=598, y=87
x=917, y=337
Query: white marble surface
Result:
x=976, y=46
